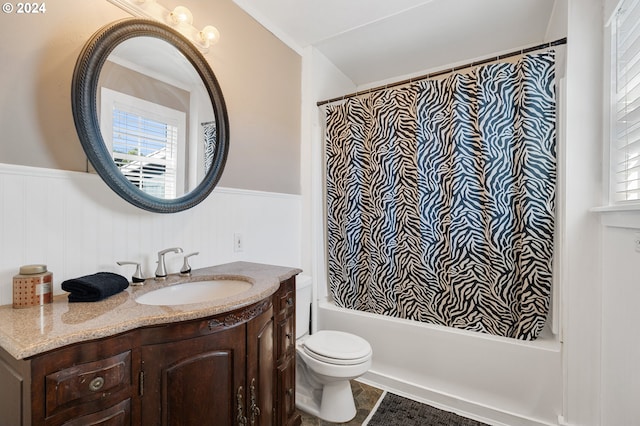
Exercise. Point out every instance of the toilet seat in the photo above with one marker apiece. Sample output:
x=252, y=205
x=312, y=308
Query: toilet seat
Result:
x=337, y=347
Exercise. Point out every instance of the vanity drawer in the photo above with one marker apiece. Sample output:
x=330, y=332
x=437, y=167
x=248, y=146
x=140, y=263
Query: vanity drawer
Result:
x=286, y=391
x=286, y=336
x=286, y=298
x=118, y=415
x=87, y=382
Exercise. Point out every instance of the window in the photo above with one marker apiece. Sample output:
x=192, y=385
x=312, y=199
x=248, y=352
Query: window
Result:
x=625, y=114
x=144, y=140
x=145, y=150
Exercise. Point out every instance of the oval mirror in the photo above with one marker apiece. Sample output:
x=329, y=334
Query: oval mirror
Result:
x=150, y=115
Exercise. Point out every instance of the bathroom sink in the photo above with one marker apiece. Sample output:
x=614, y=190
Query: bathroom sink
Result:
x=194, y=292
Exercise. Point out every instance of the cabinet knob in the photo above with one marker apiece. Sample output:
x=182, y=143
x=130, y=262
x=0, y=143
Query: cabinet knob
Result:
x=290, y=391
x=96, y=384
x=289, y=301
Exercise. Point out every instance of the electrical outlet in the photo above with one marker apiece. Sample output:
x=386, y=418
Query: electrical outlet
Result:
x=238, y=242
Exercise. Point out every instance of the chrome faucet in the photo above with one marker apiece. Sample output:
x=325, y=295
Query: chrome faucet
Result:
x=161, y=270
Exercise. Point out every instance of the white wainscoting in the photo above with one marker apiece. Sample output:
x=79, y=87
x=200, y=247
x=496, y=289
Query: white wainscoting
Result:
x=620, y=321
x=76, y=225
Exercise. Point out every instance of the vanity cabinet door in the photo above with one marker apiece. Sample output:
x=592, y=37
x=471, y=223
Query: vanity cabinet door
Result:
x=260, y=370
x=194, y=381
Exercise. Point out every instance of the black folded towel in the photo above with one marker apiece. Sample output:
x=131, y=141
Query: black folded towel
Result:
x=92, y=288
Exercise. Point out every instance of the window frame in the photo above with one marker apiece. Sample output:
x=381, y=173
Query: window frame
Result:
x=111, y=99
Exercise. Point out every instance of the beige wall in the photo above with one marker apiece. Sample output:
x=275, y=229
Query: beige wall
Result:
x=259, y=76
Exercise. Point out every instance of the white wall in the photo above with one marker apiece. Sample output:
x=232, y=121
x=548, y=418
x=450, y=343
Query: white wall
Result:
x=581, y=240
x=76, y=225
x=320, y=80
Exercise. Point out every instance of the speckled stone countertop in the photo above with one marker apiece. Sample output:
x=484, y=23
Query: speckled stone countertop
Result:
x=29, y=331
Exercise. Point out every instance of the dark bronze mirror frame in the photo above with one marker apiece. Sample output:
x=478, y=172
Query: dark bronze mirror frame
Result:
x=84, y=98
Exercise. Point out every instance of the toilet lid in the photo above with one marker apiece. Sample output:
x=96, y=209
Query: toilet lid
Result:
x=337, y=347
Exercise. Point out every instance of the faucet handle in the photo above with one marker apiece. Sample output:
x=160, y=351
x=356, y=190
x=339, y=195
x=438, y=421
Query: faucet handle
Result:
x=137, y=278
x=161, y=270
x=186, y=268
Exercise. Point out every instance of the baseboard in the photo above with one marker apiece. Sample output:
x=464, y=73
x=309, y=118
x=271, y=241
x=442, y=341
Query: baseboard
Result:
x=469, y=409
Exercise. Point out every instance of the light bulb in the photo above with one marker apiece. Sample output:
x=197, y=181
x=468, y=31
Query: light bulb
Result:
x=181, y=15
x=209, y=35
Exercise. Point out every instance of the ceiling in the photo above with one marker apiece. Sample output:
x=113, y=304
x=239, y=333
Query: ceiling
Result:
x=377, y=40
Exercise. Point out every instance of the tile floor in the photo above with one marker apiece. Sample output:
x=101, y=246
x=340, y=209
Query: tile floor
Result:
x=365, y=397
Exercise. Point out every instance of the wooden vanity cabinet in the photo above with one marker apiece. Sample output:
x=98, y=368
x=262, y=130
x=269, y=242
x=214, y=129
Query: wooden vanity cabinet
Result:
x=236, y=368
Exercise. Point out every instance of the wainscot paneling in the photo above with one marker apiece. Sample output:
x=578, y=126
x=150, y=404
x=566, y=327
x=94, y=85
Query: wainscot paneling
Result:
x=76, y=225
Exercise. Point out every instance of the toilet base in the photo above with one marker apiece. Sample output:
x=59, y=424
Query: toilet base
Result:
x=333, y=404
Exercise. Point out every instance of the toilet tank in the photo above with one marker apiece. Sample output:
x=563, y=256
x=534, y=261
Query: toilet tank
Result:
x=303, y=304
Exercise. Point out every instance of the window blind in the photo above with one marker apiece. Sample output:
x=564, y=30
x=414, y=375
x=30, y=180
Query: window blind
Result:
x=145, y=151
x=626, y=132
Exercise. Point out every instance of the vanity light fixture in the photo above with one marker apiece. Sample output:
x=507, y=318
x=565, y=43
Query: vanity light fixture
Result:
x=208, y=36
x=180, y=18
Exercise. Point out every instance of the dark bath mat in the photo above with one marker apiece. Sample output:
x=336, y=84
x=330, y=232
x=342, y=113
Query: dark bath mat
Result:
x=396, y=410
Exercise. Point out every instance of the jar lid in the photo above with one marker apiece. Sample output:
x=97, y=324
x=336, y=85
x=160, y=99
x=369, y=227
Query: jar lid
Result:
x=33, y=269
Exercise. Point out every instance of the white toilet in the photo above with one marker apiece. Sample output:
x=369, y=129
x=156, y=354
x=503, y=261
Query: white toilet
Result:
x=325, y=362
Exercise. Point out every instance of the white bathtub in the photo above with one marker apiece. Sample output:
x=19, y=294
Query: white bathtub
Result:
x=496, y=380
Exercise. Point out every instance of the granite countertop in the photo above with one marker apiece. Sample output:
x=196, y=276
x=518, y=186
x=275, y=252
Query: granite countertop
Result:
x=30, y=331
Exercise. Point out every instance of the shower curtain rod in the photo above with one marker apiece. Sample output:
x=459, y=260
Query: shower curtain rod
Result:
x=448, y=70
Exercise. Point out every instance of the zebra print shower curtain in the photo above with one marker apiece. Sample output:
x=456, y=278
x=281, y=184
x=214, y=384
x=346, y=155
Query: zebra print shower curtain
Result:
x=441, y=198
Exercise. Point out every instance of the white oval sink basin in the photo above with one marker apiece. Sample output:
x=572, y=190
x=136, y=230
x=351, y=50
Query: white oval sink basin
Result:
x=194, y=292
